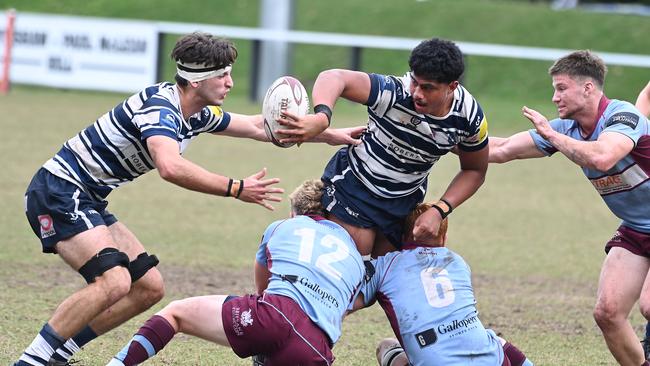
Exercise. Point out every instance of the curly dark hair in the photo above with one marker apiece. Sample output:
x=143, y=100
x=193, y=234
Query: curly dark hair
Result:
x=203, y=48
x=437, y=60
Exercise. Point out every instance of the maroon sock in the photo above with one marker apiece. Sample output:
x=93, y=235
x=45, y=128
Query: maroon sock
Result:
x=646, y=363
x=513, y=353
x=157, y=332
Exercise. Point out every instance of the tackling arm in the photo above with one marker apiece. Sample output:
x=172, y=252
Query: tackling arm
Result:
x=601, y=154
x=517, y=146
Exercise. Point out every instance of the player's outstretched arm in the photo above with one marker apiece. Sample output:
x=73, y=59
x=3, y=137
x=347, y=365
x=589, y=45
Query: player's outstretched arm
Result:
x=245, y=126
x=601, y=154
x=175, y=169
x=517, y=146
x=643, y=101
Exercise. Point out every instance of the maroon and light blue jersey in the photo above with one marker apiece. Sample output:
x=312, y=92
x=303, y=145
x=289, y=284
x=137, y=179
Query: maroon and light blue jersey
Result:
x=400, y=146
x=316, y=263
x=112, y=151
x=625, y=188
x=428, y=298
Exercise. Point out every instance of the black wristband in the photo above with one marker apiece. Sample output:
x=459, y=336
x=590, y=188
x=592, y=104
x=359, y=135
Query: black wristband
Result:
x=241, y=188
x=229, y=187
x=451, y=208
x=322, y=108
x=442, y=213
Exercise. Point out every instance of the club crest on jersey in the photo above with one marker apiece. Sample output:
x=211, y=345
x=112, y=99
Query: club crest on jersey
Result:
x=47, y=226
x=246, y=318
x=415, y=120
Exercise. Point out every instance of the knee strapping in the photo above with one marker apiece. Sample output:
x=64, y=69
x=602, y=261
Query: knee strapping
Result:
x=106, y=259
x=141, y=265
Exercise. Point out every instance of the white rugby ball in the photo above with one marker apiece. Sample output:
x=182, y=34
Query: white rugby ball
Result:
x=285, y=94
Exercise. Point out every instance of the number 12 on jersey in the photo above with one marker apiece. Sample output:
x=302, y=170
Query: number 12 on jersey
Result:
x=324, y=259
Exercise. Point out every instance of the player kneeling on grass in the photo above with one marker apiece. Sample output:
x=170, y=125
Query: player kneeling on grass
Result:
x=426, y=292
x=306, y=272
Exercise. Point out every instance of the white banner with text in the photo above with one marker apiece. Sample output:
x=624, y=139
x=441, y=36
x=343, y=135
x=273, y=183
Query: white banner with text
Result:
x=82, y=52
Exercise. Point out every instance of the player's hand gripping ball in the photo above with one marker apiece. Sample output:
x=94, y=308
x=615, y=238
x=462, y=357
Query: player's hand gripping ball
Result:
x=285, y=94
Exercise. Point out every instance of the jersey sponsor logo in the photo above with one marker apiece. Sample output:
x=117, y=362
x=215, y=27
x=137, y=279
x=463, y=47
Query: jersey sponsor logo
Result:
x=426, y=338
x=137, y=162
x=624, y=181
x=626, y=118
x=318, y=292
x=458, y=327
x=47, y=226
x=402, y=152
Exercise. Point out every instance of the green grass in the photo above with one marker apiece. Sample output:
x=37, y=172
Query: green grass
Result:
x=535, y=254
x=533, y=234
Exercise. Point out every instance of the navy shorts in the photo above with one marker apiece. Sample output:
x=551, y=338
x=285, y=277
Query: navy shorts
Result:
x=349, y=200
x=58, y=209
x=274, y=326
x=634, y=241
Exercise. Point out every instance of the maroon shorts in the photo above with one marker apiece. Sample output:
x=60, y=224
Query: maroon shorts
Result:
x=634, y=241
x=276, y=327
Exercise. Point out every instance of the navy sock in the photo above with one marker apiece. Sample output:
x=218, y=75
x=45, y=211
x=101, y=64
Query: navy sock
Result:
x=73, y=345
x=37, y=352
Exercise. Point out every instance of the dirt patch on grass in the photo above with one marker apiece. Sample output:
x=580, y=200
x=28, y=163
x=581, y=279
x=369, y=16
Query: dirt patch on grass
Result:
x=506, y=304
x=180, y=281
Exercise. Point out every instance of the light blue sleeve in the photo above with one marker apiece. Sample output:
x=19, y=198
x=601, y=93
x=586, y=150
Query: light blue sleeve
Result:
x=625, y=120
x=261, y=257
x=560, y=125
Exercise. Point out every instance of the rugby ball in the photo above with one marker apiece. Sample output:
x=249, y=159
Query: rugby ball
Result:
x=285, y=94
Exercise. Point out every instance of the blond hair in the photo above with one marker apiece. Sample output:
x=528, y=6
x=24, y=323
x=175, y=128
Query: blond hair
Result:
x=305, y=199
x=409, y=222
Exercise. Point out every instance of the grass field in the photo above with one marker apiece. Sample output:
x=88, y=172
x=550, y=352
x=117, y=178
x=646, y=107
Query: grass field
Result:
x=533, y=236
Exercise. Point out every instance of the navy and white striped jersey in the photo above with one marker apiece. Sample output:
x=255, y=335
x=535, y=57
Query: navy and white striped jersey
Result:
x=112, y=151
x=400, y=145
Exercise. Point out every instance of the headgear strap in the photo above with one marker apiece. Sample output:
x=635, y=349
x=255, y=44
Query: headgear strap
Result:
x=197, y=72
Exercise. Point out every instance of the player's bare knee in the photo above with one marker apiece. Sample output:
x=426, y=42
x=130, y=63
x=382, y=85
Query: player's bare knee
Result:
x=606, y=314
x=147, y=280
x=115, y=283
x=175, y=310
x=150, y=288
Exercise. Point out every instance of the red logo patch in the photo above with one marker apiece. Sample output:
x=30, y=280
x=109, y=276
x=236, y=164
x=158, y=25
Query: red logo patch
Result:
x=47, y=226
